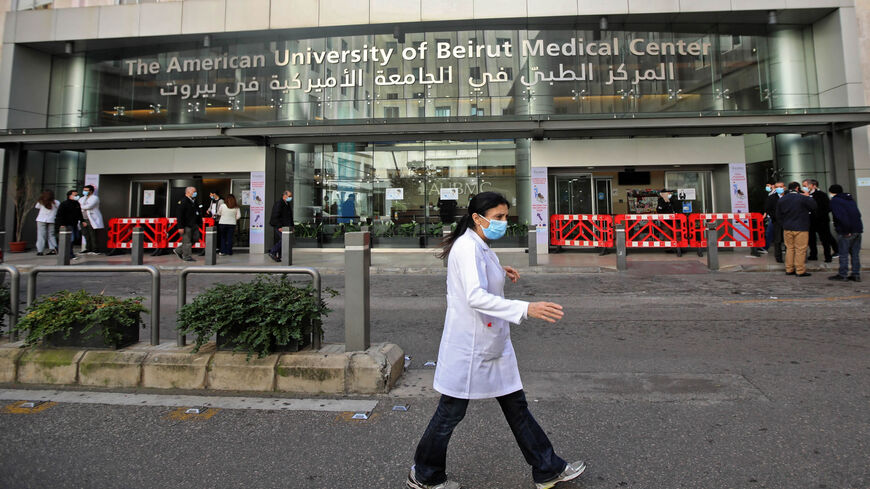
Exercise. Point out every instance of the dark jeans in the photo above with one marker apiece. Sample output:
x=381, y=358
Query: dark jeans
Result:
x=823, y=229
x=850, y=245
x=276, y=248
x=225, y=238
x=93, y=238
x=778, y=240
x=768, y=234
x=430, y=460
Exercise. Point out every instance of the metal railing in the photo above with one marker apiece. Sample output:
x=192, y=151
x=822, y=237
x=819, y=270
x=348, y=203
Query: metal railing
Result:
x=155, y=285
x=315, y=280
x=14, y=293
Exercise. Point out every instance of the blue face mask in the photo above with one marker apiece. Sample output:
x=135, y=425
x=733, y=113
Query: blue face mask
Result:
x=495, y=230
x=289, y=199
x=768, y=188
x=85, y=193
x=805, y=189
x=193, y=195
x=780, y=190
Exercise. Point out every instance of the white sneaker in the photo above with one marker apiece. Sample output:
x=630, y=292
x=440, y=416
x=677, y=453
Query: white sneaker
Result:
x=413, y=483
x=572, y=471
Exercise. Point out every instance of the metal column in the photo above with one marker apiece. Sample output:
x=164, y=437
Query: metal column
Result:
x=621, y=262
x=357, y=260
x=712, y=246
x=210, y=245
x=286, y=246
x=138, y=250
x=533, y=246
x=64, y=245
x=14, y=293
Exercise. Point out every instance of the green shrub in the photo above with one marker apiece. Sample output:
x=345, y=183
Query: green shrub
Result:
x=65, y=311
x=256, y=316
x=4, y=303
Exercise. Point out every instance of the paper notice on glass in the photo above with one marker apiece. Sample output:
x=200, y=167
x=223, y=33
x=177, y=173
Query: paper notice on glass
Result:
x=246, y=197
x=686, y=194
x=148, y=197
x=395, y=193
x=449, y=194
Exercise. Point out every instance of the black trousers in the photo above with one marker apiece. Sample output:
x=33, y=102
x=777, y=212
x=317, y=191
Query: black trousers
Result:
x=823, y=229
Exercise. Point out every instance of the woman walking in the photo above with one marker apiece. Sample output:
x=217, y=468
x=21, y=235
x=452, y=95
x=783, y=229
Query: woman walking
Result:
x=229, y=215
x=45, y=223
x=476, y=358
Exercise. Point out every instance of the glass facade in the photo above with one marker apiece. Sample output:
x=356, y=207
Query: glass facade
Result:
x=475, y=73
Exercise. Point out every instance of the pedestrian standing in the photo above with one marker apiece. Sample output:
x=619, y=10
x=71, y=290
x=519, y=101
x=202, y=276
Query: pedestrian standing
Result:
x=847, y=223
x=282, y=216
x=668, y=205
x=189, y=213
x=214, y=205
x=774, y=226
x=768, y=222
x=92, y=226
x=45, y=235
x=820, y=222
x=69, y=213
x=229, y=214
x=476, y=359
x=793, y=211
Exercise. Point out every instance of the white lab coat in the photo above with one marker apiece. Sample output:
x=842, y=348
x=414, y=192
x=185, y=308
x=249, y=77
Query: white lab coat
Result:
x=91, y=211
x=476, y=359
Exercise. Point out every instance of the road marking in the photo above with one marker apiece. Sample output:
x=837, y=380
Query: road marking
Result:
x=181, y=414
x=165, y=400
x=16, y=408
x=807, y=299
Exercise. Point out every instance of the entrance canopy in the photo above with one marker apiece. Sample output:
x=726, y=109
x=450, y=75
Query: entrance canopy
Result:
x=662, y=124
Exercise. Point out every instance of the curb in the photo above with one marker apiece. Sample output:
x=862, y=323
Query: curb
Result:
x=330, y=370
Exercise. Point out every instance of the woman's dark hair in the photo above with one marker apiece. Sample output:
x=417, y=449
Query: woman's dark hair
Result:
x=47, y=198
x=230, y=201
x=479, y=204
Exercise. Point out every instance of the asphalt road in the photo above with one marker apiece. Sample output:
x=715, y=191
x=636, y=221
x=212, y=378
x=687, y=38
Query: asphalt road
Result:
x=721, y=380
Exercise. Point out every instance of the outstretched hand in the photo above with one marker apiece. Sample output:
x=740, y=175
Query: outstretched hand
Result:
x=548, y=311
x=512, y=274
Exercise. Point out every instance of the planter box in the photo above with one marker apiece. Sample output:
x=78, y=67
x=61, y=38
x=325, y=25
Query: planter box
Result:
x=225, y=343
x=94, y=338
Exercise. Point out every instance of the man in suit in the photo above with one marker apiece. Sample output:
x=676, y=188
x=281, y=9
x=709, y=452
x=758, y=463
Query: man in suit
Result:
x=793, y=212
x=820, y=222
x=282, y=216
x=776, y=236
x=189, y=213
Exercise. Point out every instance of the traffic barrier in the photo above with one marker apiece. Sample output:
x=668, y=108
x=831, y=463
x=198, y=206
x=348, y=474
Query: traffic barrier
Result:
x=173, y=233
x=121, y=232
x=743, y=230
x=654, y=230
x=581, y=230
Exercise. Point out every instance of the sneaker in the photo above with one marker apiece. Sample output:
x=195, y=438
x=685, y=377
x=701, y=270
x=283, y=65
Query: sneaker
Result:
x=837, y=277
x=39, y=253
x=761, y=250
x=52, y=252
x=222, y=254
x=572, y=471
x=791, y=273
x=274, y=257
x=187, y=259
x=178, y=253
x=854, y=278
x=805, y=274
x=413, y=483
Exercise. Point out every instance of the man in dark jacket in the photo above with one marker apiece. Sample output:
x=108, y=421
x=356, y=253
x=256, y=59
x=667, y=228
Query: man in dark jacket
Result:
x=667, y=204
x=770, y=210
x=69, y=213
x=189, y=213
x=820, y=222
x=282, y=216
x=793, y=213
x=847, y=223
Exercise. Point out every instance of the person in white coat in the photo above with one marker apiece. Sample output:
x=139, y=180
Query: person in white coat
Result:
x=476, y=359
x=93, y=225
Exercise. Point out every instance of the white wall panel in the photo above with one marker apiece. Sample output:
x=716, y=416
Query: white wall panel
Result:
x=119, y=21
x=638, y=152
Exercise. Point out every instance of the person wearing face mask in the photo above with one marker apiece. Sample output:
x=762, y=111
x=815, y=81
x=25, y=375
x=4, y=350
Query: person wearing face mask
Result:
x=476, y=359
x=667, y=204
x=69, y=213
x=847, y=223
x=774, y=228
x=92, y=226
x=820, y=222
x=189, y=213
x=282, y=216
x=793, y=211
x=214, y=204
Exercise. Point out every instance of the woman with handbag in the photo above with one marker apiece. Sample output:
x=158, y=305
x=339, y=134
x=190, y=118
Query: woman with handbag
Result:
x=476, y=358
x=229, y=214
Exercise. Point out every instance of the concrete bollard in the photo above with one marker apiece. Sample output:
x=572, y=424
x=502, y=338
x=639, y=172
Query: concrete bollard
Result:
x=286, y=246
x=357, y=261
x=64, y=246
x=138, y=251
x=210, y=245
x=712, y=246
x=533, y=246
x=621, y=261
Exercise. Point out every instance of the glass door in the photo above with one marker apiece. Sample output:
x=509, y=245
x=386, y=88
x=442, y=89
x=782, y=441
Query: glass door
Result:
x=574, y=194
x=602, y=196
x=149, y=198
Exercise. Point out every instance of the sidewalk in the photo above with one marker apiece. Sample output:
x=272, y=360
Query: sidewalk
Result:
x=416, y=260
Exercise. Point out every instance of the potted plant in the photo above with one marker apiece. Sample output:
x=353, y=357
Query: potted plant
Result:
x=82, y=319
x=26, y=194
x=259, y=317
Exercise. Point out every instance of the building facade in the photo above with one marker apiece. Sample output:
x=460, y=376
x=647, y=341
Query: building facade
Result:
x=394, y=113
